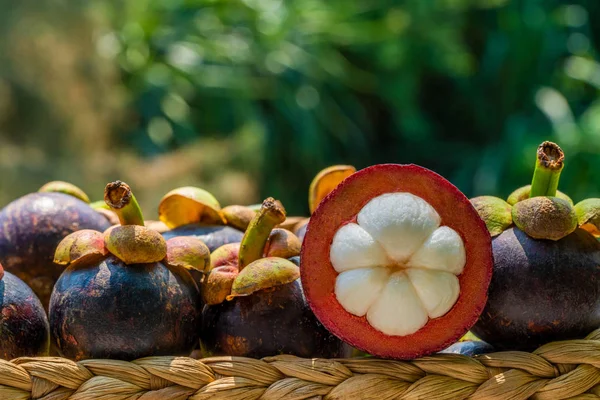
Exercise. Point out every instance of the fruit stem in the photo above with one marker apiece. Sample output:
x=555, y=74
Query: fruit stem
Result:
x=271, y=214
x=549, y=163
x=119, y=197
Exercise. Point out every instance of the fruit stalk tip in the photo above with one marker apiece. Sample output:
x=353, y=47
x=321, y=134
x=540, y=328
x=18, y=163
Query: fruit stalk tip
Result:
x=550, y=155
x=119, y=197
x=548, y=166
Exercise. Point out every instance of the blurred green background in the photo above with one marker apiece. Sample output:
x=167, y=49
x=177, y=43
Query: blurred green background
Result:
x=249, y=98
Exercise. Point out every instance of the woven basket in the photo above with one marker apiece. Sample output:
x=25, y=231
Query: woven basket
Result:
x=559, y=370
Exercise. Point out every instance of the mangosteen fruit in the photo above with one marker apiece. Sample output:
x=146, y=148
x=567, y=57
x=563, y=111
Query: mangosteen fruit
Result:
x=32, y=226
x=396, y=262
x=321, y=185
x=24, y=330
x=126, y=293
x=191, y=211
x=255, y=304
x=546, y=281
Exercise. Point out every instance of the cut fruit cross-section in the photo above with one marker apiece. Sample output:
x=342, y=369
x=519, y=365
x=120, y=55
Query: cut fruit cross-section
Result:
x=397, y=233
x=396, y=261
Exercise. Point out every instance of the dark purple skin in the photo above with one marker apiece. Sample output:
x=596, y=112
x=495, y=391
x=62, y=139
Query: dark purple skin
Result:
x=30, y=229
x=24, y=330
x=214, y=236
x=541, y=290
x=301, y=232
x=117, y=311
x=469, y=348
x=267, y=323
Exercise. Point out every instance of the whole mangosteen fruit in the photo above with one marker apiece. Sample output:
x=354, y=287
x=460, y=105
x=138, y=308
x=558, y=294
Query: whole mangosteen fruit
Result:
x=24, y=330
x=32, y=226
x=546, y=282
x=191, y=211
x=255, y=301
x=396, y=262
x=126, y=293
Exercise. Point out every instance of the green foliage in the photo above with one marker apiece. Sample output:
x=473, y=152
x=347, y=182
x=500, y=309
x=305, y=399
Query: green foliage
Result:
x=467, y=88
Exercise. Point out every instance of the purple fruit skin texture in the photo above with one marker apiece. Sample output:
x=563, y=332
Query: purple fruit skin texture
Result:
x=214, y=236
x=541, y=290
x=30, y=229
x=301, y=232
x=24, y=330
x=267, y=323
x=117, y=311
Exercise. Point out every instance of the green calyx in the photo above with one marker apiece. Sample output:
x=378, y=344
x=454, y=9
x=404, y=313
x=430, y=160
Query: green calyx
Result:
x=588, y=215
x=66, y=188
x=523, y=192
x=495, y=212
x=131, y=242
x=544, y=217
x=189, y=205
x=135, y=244
x=217, y=285
x=282, y=243
x=80, y=247
x=263, y=274
x=228, y=254
x=539, y=209
x=258, y=263
x=238, y=217
x=189, y=253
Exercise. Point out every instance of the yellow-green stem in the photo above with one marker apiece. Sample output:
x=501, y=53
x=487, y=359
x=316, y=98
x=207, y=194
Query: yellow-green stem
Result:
x=119, y=197
x=548, y=166
x=271, y=214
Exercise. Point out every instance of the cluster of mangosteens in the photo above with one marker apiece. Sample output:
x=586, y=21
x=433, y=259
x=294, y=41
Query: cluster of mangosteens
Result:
x=394, y=261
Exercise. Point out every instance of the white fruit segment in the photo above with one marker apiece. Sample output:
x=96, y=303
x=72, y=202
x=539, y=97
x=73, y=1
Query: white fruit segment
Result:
x=397, y=266
x=353, y=247
x=357, y=289
x=398, y=310
x=400, y=222
x=437, y=290
x=443, y=250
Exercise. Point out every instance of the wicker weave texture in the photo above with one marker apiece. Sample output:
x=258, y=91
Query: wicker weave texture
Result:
x=559, y=370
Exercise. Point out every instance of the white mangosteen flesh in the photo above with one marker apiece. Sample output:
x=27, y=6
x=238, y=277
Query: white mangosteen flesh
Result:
x=397, y=266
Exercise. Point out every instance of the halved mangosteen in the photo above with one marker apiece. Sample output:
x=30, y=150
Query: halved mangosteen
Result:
x=396, y=262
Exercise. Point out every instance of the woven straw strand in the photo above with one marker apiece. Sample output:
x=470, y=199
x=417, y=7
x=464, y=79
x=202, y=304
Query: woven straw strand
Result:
x=559, y=370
